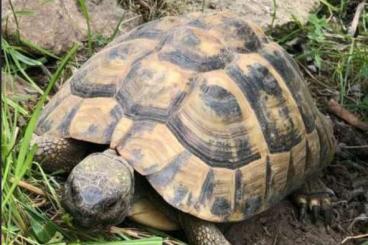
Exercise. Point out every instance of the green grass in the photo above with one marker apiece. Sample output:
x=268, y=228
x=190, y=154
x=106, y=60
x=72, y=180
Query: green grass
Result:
x=84, y=9
x=28, y=217
x=339, y=58
x=31, y=210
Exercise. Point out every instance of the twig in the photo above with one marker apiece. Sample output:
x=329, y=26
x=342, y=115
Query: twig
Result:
x=354, y=24
x=40, y=204
x=15, y=19
x=361, y=217
x=127, y=231
x=312, y=76
x=346, y=115
x=276, y=237
x=29, y=187
x=146, y=5
x=353, y=146
x=354, y=237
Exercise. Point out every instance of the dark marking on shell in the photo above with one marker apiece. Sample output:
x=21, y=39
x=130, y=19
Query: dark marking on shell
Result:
x=190, y=39
x=137, y=128
x=44, y=126
x=125, y=50
x=207, y=188
x=325, y=144
x=145, y=55
x=147, y=112
x=166, y=175
x=254, y=85
x=189, y=199
x=198, y=23
x=116, y=114
x=268, y=170
x=137, y=76
x=175, y=104
x=308, y=157
x=237, y=29
x=193, y=61
x=252, y=205
x=180, y=193
x=120, y=52
x=83, y=88
x=244, y=32
x=283, y=65
x=151, y=169
x=217, y=153
x=290, y=178
x=221, y=101
x=238, y=188
x=147, y=31
x=65, y=123
x=44, y=123
x=138, y=155
x=92, y=129
x=221, y=154
x=221, y=207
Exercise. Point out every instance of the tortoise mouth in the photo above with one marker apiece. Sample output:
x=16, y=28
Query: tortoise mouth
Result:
x=92, y=218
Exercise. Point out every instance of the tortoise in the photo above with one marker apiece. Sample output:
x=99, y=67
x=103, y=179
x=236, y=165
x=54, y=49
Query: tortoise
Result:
x=214, y=115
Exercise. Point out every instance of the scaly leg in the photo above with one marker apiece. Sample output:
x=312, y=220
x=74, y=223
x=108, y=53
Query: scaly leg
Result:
x=58, y=153
x=200, y=232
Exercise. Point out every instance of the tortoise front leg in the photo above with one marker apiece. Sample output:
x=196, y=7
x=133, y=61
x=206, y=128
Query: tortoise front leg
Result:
x=58, y=153
x=200, y=232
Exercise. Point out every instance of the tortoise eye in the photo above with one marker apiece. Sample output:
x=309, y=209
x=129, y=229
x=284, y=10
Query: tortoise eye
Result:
x=112, y=204
x=73, y=190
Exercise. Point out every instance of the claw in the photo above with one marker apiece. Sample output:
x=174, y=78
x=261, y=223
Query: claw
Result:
x=315, y=212
x=302, y=203
x=315, y=197
x=326, y=210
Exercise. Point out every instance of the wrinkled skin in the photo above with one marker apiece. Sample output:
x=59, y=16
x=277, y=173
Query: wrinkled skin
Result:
x=99, y=191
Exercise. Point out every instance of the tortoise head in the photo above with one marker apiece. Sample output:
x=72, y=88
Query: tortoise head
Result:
x=99, y=190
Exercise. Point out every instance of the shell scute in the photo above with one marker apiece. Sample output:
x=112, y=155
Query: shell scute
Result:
x=152, y=88
x=211, y=123
x=193, y=49
x=102, y=74
x=95, y=120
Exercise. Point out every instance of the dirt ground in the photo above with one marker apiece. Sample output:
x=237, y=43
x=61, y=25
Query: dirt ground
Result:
x=347, y=177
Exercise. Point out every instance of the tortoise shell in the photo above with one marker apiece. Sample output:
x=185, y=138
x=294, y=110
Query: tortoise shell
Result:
x=214, y=114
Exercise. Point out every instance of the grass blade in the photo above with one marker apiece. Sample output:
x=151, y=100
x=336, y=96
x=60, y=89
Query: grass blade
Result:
x=21, y=165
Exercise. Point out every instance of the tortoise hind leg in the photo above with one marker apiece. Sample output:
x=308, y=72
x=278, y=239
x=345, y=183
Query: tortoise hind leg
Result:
x=315, y=197
x=200, y=232
x=58, y=153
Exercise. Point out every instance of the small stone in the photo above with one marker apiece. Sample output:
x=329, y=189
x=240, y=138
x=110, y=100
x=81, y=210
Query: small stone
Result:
x=312, y=68
x=56, y=25
x=261, y=11
x=18, y=90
